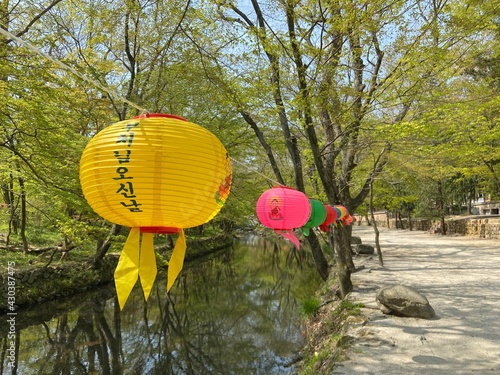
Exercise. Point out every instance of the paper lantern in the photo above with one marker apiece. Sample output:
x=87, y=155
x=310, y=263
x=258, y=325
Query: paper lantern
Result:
x=331, y=217
x=318, y=216
x=339, y=213
x=155, y=173
x=343, y=211
x=344, y=217
x=283, y=209
x=347, y=220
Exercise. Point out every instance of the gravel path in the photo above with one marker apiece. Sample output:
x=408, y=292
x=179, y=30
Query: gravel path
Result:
x=460, y=277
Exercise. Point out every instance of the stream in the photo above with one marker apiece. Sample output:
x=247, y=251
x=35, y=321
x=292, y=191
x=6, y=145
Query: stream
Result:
x=235, y=312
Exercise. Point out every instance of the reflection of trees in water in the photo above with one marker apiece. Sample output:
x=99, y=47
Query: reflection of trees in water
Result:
x=177, y=352
x=191, y=327
x=230, y=307
x=76, y=341
x=89, y=346
x=228, y=314
x=5, y=357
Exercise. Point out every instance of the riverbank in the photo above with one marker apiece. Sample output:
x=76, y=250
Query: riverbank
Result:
x=460, y=278
x=39, y=282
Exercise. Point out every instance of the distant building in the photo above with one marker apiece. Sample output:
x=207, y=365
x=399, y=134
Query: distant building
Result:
x=485, y=207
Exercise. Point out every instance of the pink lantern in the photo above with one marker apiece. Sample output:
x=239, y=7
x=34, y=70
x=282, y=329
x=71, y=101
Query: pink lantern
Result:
x=283, y=209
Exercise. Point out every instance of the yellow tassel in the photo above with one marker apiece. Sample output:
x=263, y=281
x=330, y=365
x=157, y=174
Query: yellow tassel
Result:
x=176, y=260
x=147, y=265
x=127, y=270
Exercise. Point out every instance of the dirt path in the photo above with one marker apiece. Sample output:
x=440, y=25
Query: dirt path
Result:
x=460, y=277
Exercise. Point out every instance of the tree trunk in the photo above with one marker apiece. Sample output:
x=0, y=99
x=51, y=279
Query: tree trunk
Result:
x=23, y=215
x=343, y=248
x=104, y=247
x=377, y=245
x=170, y=241
x=443, y=225
x=331, y=242
x=345, y=265
x=368, y=220
x=441, y=205
x=319, y=257
x=375, y=228
x=345, y=283
x=10, y=199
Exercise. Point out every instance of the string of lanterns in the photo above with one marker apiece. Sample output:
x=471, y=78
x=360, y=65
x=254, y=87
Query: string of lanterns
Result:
x=159, y=173
x=284, y=209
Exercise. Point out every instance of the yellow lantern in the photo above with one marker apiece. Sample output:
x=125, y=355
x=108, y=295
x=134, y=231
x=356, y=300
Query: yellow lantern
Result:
x=155, y=173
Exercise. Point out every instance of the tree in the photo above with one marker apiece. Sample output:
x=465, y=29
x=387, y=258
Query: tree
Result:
x=31, y=135
x=139, y=51
x=319, y=87
x=329, y=73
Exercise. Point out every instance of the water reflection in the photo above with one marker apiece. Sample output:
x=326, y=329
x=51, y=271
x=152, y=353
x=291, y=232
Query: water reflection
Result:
x=236, y=313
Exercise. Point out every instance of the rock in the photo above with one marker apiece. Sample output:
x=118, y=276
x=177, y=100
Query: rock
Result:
x=404, y=301
x=25, y=277
x=32, y=277
x=355, y=240
x=363, y=249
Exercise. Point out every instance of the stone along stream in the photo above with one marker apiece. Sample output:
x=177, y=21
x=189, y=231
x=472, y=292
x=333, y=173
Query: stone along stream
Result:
x=237, y=312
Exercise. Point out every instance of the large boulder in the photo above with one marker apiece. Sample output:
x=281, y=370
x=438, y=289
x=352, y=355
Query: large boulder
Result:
x=363, y=249
x=355, y=240
x=404, y=300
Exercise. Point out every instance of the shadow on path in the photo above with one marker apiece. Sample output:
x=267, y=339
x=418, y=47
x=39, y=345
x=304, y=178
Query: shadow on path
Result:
x=460, y=277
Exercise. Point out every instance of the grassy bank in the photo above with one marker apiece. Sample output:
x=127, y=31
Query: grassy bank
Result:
x=326, y=325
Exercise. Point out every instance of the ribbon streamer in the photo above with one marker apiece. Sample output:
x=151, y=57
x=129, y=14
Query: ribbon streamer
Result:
x=127, y=270
x=147, y=264
x=176, y=260
x=134, y=264
x=289, y=235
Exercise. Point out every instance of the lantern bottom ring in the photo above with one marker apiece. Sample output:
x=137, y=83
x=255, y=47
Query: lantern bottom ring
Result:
x=160, y=230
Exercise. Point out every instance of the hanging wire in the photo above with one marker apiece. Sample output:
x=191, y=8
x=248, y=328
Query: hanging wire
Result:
x=108, y=90
x=72, y=70
x=257, y=172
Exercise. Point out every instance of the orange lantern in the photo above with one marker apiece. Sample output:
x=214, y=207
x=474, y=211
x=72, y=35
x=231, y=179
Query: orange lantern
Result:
x=155, y=173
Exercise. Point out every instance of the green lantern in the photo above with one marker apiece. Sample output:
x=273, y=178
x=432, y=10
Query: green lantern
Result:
x=318, y=216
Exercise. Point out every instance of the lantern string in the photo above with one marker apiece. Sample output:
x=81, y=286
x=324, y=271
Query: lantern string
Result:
x=72, y=70
x=107, y=89
x=274, y=182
